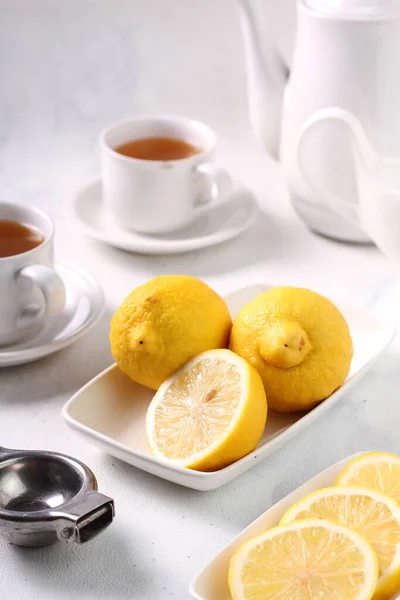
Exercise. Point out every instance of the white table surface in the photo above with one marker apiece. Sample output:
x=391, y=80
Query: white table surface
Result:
x=67, y=70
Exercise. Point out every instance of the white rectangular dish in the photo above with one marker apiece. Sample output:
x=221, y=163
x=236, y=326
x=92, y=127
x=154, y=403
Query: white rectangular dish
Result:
x=212, y=581
x=110, y=410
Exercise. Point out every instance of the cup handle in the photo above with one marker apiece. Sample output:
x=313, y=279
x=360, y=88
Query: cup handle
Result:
x=52, y=288
x=211, y=177
x=347, y=211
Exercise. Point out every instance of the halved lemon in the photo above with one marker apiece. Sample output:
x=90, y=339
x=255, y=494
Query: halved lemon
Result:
x=371, y=513
x=376, y=470
x=304, y=560
x=208, y=414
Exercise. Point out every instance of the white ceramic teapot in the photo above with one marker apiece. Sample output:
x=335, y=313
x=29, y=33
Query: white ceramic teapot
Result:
x=346, y=54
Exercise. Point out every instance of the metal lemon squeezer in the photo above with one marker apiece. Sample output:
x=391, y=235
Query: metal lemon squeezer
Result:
x=46, y=497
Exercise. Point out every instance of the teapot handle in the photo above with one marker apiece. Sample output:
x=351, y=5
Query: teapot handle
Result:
x=332, y=200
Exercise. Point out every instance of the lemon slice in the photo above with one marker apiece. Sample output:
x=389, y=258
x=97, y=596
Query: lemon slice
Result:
x=376, y=470
x=304, y=560
x=371, y=513
x=209, y=413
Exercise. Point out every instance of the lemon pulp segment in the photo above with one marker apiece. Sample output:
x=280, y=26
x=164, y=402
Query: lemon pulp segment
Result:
x=304, y=560
x=209, y=414
x=375, y=470
x=371, y=513
x=197, y=408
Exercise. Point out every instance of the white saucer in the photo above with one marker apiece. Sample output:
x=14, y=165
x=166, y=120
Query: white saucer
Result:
x=215, y=223
x=83, y=309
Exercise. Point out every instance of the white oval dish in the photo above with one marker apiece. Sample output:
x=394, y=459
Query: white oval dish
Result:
x=212, y=582
x=110, y=410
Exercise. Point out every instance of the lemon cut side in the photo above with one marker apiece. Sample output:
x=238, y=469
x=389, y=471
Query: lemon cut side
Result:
x=305, y=560
x=370, y=513
x=376, y=470
x=208, y=414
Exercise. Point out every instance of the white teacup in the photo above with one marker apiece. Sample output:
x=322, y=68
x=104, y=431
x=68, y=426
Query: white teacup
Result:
x=31, y=290
x=158, y=196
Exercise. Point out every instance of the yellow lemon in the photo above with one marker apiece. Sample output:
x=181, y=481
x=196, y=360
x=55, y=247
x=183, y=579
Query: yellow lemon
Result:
x=208, y=414
x=377, y=470
x=305, y=560
x=163, y=324
x=371, y=513
x=298, y=341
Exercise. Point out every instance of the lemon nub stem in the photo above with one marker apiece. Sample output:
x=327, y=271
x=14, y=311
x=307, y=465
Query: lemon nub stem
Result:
x=284, y=344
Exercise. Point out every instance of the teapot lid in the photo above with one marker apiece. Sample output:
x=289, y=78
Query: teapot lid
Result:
x=355, y=8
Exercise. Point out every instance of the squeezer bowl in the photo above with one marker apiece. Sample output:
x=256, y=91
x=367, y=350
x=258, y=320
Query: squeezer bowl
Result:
x=45, y=497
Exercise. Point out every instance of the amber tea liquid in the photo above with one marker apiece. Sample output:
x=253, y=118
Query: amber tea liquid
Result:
x=17, y=238
x=158, y=148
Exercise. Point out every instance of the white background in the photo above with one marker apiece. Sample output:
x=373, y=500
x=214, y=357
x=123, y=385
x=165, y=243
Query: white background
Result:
x=67, y=69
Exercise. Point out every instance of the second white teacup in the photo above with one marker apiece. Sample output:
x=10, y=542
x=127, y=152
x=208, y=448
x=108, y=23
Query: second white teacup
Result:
x=160, y=196
x=31, y=290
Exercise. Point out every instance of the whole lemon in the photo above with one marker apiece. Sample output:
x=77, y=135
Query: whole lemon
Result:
x=164, y=323
x=298, y=341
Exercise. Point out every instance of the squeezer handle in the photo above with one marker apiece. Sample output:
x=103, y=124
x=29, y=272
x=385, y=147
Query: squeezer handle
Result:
x=8, y=453
x=86, y=517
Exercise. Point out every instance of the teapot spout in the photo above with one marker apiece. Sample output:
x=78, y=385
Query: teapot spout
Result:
x=266, y=76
